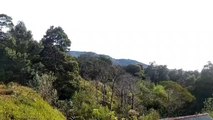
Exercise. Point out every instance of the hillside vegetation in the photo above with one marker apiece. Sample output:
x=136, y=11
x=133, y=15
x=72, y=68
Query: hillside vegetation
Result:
x=22, y=103
x=90, y=87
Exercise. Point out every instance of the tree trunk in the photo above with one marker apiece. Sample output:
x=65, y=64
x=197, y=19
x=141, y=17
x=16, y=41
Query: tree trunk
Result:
x=96, y=91
x=132, y=101
x=111, y=98
x=132, y=97
x=104, y=103
x=121, y=100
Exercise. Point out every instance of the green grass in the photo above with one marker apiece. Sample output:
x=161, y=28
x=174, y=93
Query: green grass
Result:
x=22, y=103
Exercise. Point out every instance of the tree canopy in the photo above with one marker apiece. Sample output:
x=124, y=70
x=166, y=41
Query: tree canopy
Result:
x=91, y=86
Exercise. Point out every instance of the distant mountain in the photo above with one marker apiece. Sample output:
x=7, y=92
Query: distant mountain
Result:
x=78, y=53
x=121, y=62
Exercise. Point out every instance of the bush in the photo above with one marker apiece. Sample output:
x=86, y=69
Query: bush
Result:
x=45, y=87
x=153, y=115
x=208, y=106
x=25, y=104
x=103, y=113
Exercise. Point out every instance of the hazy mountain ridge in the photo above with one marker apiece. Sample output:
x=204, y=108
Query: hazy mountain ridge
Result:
x=121, y=62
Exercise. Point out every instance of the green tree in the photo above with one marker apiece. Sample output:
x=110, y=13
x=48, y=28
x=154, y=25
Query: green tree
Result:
x=17, y=55
x=86, y=106
x=208, y=105
x=55, y=59
x=157, y=73
x=135, y=70
x=5, y=21
x=98, y=68
x=55, y=36
x=185, y=78
x=177, y=98
x=203, y=86
x=5, y=41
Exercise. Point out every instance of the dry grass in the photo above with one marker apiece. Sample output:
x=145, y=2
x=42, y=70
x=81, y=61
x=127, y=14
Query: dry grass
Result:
x=6, y=92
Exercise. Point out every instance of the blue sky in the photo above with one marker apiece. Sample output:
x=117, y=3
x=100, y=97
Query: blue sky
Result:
x=175, y=33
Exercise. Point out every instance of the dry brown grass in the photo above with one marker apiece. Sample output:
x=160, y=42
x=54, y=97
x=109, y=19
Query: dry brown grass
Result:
x=5, y=91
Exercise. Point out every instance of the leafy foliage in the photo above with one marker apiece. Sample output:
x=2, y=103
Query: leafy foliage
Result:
x=177, y=98
x=208, y=106
x=153, y=115
x=5, y=21
x=135, y=70
x=55, y=59
x=44, y=66
x=55, y=36
x=157, y=73
x=86, y=105
x=24, y=103
x=104, y=92
x=203, y=86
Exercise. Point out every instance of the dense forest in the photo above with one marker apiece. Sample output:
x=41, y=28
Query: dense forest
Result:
x=91, y=87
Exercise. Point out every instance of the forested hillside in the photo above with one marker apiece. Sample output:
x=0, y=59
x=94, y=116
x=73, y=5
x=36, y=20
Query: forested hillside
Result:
x=91, y=87
x=121, y=62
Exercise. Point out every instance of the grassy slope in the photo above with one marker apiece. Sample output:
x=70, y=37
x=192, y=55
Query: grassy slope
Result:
x=22, y=103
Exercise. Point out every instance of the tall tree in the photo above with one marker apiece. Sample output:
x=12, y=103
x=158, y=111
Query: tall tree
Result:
x=5, y=22
x=55, y=59
x=15, y=53
x=135, y=70
x=203, y=86
x=55, y=36
x=157, y=73
x=177, y=98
